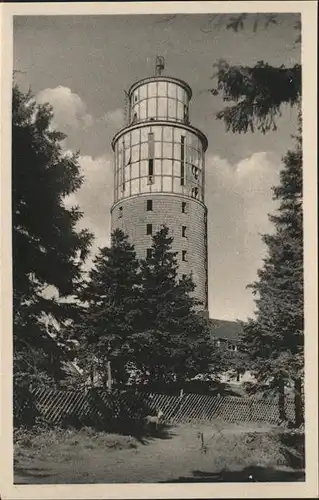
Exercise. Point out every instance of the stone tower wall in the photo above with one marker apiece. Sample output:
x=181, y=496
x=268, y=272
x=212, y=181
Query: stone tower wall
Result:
x=131, y=216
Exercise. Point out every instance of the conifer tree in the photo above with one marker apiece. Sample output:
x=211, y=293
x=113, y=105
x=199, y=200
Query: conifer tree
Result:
x=112, y=299
x=274, y=339
x=255, y=97
x=256, y=94
x=173, y=342
x=47, y=248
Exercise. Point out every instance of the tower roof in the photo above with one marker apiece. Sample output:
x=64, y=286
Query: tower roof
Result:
x=161, y=79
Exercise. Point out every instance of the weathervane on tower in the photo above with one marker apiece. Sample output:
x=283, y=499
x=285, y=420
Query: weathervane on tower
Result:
x=160, y=65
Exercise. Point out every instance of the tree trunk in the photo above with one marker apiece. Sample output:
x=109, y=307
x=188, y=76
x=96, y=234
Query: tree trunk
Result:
x=152, y=376
x=109, y=376
x=299, y=417
x=92, y=374
x=281, y=401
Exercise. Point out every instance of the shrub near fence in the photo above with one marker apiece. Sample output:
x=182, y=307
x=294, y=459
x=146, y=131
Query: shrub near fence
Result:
x=97, y=407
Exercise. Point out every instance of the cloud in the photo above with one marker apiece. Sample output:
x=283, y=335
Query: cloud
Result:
x=69, y=109
x=114, y=118
x=95, y=198
x=238, y=197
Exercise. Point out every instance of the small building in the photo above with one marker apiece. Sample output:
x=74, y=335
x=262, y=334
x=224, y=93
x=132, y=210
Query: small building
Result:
x=227, y=336
x=226, y=333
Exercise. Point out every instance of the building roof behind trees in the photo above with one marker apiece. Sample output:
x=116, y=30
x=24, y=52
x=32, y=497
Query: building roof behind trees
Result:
x=230, y=331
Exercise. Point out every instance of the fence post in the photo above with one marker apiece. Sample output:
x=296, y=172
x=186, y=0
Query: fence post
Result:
x=183, y=400
x=251, y=409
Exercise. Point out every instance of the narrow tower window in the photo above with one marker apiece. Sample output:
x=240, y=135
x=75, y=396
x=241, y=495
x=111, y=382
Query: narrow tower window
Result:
x=150, y=158
x=120, y=212
x=195, y=172
x=195, y=192
x=182, y=160
x=148, y=253
x=185, y=113
x=123, y=168
x=184, y=207
x=149, y=229
x=149, y=205
x=151, y=145
x=151, y=167
x=184, y=231
x=184, y=255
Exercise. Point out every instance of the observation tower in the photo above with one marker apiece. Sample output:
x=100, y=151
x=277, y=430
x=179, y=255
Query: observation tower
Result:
x=159, y=175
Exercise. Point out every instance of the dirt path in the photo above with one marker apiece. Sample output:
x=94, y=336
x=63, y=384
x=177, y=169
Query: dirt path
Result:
x=158, y=460
x=177, y=456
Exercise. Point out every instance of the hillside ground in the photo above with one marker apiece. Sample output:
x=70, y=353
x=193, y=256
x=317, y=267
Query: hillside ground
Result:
x=225, y=452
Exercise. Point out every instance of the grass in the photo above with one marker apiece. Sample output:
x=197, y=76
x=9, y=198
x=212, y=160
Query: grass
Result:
x=60, y=442
x=230, y=453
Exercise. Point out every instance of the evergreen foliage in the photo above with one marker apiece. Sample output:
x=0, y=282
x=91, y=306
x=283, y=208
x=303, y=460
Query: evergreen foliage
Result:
x=141, y=318
x=48, y=251
x=274, y=339
x=258, y=93
x=112, y=312
x=173, y=343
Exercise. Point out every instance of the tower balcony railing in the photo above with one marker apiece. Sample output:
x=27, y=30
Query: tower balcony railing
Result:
x=134, y=119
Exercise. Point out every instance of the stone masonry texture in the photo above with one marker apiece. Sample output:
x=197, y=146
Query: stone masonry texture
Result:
x=132, y=218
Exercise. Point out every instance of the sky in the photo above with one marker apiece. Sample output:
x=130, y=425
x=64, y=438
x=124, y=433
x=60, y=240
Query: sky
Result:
x=81, y=65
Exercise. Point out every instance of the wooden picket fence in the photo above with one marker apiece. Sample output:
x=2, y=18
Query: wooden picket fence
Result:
x=205, y=408
x=98, y=405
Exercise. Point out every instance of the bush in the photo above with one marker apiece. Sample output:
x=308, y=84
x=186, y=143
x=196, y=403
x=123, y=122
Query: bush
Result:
x=25, y=411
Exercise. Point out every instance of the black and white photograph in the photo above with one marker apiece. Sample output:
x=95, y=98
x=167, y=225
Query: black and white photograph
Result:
x=158, y=220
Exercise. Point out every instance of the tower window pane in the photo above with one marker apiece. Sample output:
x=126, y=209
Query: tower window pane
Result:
x=149, y=205
x=195, y=192
x=151, y=145
x=149, y=229
x=151, y=167
x=150, y=171
x=185, y=113
x=195, y=172
x=184, y=207
x=184, y=255
x=182, y=159
x=184, y=231
x=148, y=253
